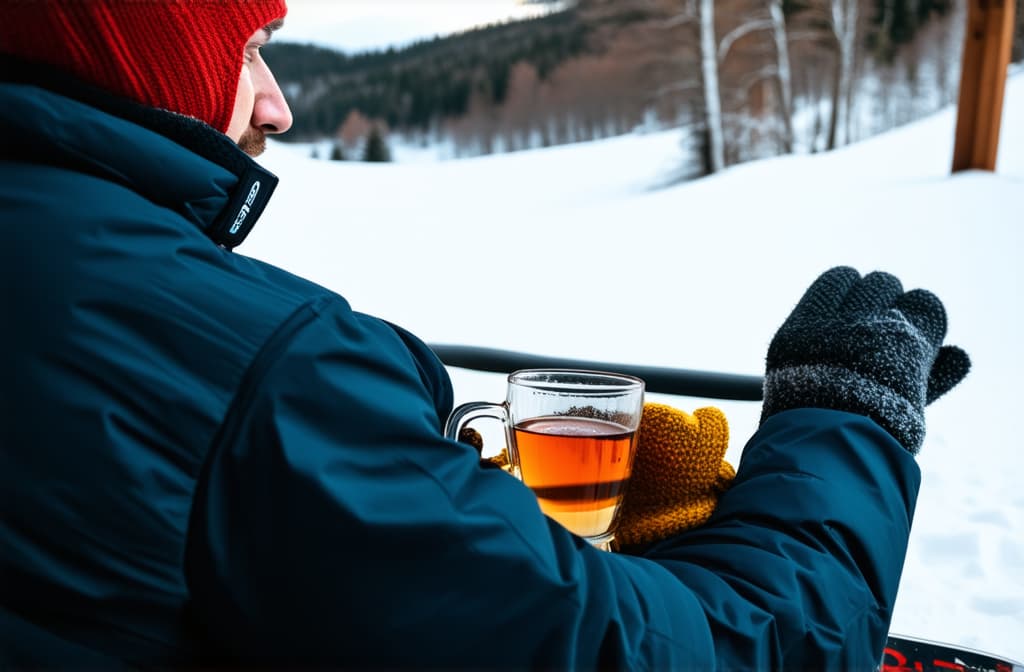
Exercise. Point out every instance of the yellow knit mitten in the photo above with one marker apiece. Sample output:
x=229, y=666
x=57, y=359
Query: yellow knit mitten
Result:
x=678, y=474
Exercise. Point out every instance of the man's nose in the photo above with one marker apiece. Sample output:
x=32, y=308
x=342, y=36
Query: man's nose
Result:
x=270, y=112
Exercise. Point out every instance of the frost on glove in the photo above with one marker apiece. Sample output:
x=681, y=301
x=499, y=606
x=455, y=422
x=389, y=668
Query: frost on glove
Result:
x=865, y=346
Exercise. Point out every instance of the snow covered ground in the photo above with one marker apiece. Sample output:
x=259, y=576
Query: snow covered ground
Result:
x=576, y=251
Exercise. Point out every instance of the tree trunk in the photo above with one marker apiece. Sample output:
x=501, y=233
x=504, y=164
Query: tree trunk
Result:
x=884, y=47
x=843, y=20
x=833, y=116
x=712, y=97
x=785, y=78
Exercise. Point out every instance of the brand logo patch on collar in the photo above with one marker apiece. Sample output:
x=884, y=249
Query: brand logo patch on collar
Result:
x=244, y=211
x=244, y=206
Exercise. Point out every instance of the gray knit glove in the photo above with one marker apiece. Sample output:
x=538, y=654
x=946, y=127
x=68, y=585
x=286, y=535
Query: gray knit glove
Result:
x=865, y=346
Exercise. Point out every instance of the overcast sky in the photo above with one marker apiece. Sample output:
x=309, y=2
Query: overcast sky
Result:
x=360, y=25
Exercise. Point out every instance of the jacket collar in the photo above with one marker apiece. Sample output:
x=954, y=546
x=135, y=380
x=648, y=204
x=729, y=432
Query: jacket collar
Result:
x=174, y=160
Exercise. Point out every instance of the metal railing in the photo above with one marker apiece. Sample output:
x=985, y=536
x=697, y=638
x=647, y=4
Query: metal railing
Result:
x=682, y=382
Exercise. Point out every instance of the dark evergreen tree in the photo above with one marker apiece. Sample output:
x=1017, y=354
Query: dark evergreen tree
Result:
x=412, y=88
x=376, y=148
x=337, y=153
x=1017, y=51
x=791, y=7
x=896, y=22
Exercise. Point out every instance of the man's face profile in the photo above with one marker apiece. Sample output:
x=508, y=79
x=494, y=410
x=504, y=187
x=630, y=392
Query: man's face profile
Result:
x=260, y=107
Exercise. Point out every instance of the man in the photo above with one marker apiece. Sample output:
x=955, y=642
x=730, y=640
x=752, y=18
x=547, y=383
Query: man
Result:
x=208, y=461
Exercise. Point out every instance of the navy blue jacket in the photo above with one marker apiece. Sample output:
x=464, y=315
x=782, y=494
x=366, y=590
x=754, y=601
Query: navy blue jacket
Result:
x=208, y=460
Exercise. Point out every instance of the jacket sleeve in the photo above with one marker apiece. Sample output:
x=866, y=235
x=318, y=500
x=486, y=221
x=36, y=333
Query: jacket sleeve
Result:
x=335, y=526
x=799, y=566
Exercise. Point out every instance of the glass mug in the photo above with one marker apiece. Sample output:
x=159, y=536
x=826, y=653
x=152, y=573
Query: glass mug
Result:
x=571, y=438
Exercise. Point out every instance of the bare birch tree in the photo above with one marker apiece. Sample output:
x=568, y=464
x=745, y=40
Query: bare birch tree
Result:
x=709, y=75
x=680, y=25
x=780, y=70
x=785, y=76
x=842, y=17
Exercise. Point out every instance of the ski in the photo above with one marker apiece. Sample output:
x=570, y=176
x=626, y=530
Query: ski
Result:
x=911, y=654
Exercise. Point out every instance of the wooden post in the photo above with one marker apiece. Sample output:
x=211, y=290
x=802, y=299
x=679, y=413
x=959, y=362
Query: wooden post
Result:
x=982, y=80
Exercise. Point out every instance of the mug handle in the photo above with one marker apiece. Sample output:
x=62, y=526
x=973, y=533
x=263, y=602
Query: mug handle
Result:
x=466, y=413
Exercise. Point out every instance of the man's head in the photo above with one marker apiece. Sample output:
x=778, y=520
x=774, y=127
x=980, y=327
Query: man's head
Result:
x=195, y=57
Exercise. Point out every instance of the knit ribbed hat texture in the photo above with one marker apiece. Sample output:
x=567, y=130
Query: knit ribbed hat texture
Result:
x=180, y=55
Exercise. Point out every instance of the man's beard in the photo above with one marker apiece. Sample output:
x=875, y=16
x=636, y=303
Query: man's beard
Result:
x=253, y=141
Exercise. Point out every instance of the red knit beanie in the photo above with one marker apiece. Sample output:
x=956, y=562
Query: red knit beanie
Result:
x=180, y=55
